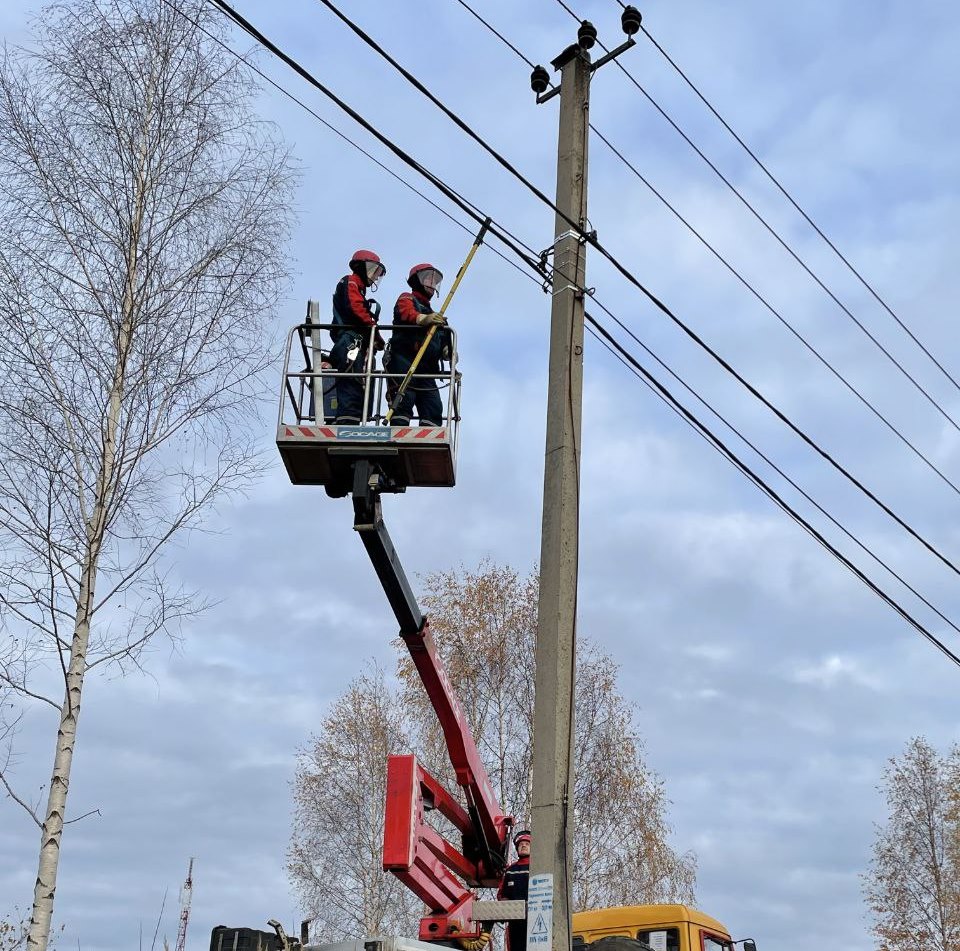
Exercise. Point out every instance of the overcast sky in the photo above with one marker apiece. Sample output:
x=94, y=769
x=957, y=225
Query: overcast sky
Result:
x=771, y=686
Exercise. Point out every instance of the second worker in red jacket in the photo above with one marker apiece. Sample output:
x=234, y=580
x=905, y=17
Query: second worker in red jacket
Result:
x=515, y=885
x=414, y=315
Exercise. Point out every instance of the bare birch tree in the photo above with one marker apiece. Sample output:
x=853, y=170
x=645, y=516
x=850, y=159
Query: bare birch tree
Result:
x=339, y=791
x=142, y=221
x=913, y=885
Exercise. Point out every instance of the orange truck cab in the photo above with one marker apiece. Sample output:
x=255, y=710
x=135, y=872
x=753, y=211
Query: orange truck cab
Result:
x=658, y=927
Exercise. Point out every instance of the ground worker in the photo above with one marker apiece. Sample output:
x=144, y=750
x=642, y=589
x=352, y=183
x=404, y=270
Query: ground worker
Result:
x=413, y=310
x=516, y=880
x=353, y=316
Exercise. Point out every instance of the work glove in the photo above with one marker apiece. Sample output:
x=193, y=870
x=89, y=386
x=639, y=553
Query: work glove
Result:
x=378, y=342
x=431, y=320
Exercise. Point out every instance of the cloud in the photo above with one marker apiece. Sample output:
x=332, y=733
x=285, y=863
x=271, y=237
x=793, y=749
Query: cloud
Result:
x=836, y=671
x=769, y=686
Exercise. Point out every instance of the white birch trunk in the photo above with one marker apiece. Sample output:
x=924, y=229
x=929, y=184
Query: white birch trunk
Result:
x=54, y=818
x=52, y=832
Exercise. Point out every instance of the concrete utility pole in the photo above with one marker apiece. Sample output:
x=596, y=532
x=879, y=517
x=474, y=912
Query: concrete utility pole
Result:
x=556, y=622
x=548, y=912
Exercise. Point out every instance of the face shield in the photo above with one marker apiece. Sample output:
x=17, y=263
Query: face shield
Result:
x=375, y=271
x=430, y=279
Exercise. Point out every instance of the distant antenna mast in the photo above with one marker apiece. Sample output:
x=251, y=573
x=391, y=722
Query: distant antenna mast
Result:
x=186, y=896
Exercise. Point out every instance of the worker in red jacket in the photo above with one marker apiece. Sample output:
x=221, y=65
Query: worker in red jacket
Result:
x=354, y=316
x=514, y=887
x=414, y=315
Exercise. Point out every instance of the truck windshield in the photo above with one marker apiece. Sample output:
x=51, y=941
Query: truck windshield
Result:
x=713, y=943
x=667, y=939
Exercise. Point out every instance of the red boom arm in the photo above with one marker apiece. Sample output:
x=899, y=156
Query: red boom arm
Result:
x=437, y=872
x=434, y=869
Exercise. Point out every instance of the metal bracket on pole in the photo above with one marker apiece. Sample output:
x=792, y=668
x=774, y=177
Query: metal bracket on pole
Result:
x=613, y=54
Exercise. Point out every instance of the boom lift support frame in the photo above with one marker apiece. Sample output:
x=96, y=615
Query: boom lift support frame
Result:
x=415, y=852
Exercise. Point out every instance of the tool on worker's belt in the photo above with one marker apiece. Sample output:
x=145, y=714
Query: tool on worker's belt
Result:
x=395, y=402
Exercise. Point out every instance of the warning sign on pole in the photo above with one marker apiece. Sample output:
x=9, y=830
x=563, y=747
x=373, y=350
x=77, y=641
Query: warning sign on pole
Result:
x=540, y=913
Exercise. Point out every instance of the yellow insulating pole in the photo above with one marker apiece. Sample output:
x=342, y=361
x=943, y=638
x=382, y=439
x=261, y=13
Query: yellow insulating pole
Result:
x=395, y=402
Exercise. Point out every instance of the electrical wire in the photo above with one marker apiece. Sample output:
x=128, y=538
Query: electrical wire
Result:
x=332, y=128
x=707, y=405
x=592, y=239
x=606, y=338
x=445, y=189
x=744, y=282
x=778, y=469
x=786, y=323
x=777, y=237
x=495, y=32
x=656, y=387
x=778, y=500
x=759, y=452
x=786, y=194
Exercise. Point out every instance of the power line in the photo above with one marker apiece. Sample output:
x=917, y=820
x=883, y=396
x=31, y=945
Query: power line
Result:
x=743, y=280
x=329, y=126
x=650, y=382
x=495, y=32
x=783, y=320
x=786, y=194
x=603, y=336
x=777, y=237
x=735, y=460
x=438, y=183
x=592, y=239
x=778, y=469
x=754, y=478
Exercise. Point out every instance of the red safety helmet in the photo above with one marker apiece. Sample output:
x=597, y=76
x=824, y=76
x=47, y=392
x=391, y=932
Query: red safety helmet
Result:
x=368, y=264
x=522, y=836
x=428, y=276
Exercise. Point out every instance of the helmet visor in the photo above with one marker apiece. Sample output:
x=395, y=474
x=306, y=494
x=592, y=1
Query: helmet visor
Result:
x=430, y=279
x=375, y=270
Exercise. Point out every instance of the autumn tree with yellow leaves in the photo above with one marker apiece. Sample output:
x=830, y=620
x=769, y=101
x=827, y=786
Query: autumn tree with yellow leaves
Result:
x=484, y=623
x=913, y=884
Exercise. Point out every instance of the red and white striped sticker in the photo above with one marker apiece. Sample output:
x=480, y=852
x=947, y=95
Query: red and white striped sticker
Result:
x=310, y=432
x=407, y=433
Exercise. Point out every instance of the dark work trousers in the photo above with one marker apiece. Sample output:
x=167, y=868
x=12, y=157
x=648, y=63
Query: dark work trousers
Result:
x=515, y=884
x=350, y=388
x=516, y=935
x=422, y=394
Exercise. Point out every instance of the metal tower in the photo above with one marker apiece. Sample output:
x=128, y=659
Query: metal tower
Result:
x=186, y=896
